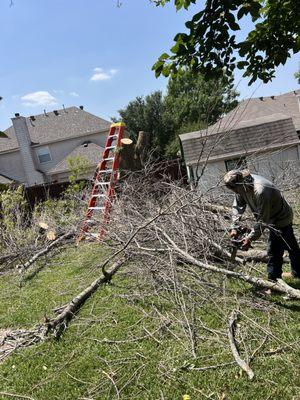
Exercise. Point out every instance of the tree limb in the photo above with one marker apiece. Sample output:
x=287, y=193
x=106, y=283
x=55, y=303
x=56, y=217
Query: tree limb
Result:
x=279, y=286
x=61, y=321
x=231, y=332
x=61, y=239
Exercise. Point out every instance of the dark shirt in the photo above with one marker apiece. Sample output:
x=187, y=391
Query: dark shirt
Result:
x=265, y=201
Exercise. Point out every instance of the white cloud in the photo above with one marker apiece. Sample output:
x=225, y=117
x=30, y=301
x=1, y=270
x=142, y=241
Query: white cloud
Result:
x=41, y=98
x=74, y=94
x=101, y=75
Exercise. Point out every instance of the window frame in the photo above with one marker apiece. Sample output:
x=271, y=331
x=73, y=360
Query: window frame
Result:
x=237, y=163
x=45, y=151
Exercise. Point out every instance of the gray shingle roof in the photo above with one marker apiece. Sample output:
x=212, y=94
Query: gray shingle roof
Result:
x=253, y=138
x=92, y=153
x=252, y=126
x=4, y=180
x=70, y=122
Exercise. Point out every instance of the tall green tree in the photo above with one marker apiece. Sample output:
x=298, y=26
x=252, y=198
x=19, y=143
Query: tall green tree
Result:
x=191, y=103
x=192, y=99
x=147, y=114
x=211, y=45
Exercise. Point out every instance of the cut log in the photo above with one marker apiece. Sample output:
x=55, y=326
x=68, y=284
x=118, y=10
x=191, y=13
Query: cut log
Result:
x=141, y=147
x=134, y=156
x=127, y=159
x=126, y=141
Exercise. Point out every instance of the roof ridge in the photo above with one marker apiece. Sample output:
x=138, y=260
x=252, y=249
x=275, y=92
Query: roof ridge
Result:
x=287, y=94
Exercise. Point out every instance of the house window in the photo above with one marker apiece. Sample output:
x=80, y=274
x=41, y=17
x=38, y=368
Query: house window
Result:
x=235, y=163
x=43, y=154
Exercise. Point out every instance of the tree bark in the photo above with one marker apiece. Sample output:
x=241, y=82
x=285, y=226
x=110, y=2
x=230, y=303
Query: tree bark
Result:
x=68, y=312
x=133, y=156
x=241, y=363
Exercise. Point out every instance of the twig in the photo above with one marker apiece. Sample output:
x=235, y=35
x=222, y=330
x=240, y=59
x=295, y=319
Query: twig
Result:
x=241, y=363
x=18, y=396
x=44, y=251
x=113, y=382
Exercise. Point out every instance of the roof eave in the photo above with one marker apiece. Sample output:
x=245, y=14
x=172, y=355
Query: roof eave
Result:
x=237, y=154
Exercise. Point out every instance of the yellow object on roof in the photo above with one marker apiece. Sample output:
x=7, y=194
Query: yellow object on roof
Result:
x=117, y=124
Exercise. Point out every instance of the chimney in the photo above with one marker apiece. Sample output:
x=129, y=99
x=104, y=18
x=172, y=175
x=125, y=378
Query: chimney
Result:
x=33, y=177
x=81, y=107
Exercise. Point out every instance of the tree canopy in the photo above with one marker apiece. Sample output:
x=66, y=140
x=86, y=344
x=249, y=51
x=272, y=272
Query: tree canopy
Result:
x=211, y=45
x=191, y=103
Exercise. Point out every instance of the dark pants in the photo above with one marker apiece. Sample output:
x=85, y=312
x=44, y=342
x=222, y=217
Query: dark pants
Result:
x=279, y=240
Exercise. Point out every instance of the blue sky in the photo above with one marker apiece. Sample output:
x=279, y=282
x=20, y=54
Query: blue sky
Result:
x=92, y=53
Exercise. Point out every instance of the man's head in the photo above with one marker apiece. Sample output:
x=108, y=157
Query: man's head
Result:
x=235, y=178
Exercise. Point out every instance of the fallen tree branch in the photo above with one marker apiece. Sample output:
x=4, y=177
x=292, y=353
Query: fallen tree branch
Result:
x=259, y=256
x=59, y=323
x=60, y=240
x=278, y=286
x=231, y=332
x=217, y=208
x=13, y=340
x=8, y=257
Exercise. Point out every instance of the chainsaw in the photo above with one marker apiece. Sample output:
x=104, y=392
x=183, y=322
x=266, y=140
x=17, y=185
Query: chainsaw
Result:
x=237, y=241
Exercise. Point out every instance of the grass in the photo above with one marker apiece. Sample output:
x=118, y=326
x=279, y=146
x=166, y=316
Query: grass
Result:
x=83, y=365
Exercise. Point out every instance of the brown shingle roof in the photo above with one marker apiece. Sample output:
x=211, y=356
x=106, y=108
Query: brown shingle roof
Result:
x=70, y=122
x=254, y=125
x=92, y=152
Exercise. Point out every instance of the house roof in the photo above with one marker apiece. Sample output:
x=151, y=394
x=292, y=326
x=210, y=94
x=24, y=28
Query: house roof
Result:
x=4, y=180
x=91, y=152
x=256, y=124
x=49, y=127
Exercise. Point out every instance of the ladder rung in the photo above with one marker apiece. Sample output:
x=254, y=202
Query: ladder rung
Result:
x=110, y=147
x=109, y=159
x=96, y=208
x=99, y=195
x=102, y=183
x=112, y=136
x=96, y=235
x=105, y=171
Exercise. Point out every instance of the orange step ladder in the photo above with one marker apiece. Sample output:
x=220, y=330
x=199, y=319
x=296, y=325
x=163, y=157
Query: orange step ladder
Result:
x=106, y=177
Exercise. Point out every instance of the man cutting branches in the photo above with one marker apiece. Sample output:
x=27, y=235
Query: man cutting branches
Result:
x=271, y=211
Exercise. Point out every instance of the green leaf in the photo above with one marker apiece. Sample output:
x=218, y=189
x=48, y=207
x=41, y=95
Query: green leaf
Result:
x=164, y=56
x=242, y=64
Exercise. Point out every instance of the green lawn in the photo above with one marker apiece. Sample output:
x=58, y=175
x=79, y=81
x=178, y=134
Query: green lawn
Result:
x=127, y=341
